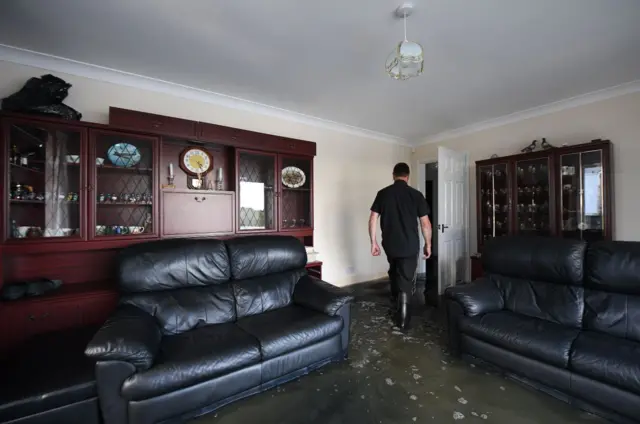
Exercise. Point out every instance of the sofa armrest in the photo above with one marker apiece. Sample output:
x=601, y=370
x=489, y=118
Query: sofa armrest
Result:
x=320, y=296
x=130, y=335
x=477, y=298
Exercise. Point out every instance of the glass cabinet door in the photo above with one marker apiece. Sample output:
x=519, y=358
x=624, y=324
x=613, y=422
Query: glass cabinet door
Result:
x=582, y=199
x=532, y=197
x=495, y=201
x=295, y=199
x=123, y=184
x=256, y=191
x=45, y=181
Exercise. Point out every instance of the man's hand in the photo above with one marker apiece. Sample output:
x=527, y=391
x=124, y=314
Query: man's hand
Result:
x=426, y=251
x=375, y=249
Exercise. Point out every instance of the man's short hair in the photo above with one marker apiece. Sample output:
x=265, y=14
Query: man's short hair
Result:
x=401, y=170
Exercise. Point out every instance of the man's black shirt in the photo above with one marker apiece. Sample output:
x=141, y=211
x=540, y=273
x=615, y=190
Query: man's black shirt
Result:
x=399, y=207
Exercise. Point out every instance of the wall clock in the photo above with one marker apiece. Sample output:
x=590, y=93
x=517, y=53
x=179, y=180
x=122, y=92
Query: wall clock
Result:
x=196, y=162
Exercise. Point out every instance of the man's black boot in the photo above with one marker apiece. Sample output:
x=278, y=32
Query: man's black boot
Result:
x=403, y=313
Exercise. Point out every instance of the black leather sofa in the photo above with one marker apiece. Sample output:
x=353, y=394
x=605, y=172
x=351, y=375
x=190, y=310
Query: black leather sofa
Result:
x=202, y=323
x=559, y=315
x=49, y=380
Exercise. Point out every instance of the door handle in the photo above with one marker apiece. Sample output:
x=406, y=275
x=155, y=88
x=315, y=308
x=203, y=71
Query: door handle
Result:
x=442, y=227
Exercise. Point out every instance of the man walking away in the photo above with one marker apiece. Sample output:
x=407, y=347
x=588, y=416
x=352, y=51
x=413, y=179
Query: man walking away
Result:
x=399, y=208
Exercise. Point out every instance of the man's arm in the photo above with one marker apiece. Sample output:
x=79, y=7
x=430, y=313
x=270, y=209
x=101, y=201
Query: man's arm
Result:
x=373, y=225
x=425, y=226
x=376, y=209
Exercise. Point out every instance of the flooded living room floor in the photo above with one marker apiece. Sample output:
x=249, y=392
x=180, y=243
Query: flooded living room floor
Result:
x=391, y=377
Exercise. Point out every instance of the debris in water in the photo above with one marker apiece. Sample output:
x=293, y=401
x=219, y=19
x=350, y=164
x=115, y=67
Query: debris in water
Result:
x=362, y=397
x=462, y=401
x=457, y=388
x=458, y=415
x=475, y=414
x=415, y=418
x=413, y=397
x=417, y=377
x=484, y=416
x=444, y=362
x=502, y=388
x=473, y=365
x=389, y=381
x=444, y=368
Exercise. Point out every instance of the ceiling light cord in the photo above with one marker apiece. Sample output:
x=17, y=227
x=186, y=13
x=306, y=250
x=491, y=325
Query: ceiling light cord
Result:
x=405, y=26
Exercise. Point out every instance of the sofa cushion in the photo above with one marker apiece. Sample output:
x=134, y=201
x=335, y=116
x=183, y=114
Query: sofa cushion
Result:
x=261, y=294
x=616, y=314
x=193, y=357
x=613, y=266
x=531, y=337
x=552, y=260
x=182, y=310
x=46, y=372
x=287, y=329
x=171, y=264
x=608, y=359
x=263, y=255
x=550, y=302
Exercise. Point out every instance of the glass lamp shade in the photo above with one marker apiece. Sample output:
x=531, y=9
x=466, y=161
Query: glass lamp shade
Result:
x=406, y=61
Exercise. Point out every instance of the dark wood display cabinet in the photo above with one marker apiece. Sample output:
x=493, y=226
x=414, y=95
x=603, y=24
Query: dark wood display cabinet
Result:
x=75, y=193
x=560, y=192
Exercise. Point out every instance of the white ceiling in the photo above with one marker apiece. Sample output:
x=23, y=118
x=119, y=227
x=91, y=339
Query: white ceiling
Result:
x=484, y=58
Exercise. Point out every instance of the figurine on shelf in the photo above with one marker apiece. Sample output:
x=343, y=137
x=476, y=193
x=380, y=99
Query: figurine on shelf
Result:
x=531, y=147
x=114, y=198
x=42, y=95
x=545, y=145
x=125, y=197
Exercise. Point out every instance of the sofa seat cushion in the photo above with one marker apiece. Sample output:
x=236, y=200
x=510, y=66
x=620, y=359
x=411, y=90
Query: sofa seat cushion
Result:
x=287, y=329
x=609, y=359
x=46, y=372
x=531, y=337
x=192, y=357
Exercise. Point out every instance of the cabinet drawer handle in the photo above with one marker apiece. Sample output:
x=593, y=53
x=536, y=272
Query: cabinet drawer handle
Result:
x=32, y=317
x=156, y=124
x=292, y=145
x=200, y=200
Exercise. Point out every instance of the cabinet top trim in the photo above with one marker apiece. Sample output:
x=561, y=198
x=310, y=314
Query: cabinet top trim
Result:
x=599, y=144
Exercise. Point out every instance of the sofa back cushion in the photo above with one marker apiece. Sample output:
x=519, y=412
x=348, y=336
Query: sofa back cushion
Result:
x=172, y=264
x=257, y=256
x=612, y=289
x=261, y=294
x=539, y=277
x=185, y=309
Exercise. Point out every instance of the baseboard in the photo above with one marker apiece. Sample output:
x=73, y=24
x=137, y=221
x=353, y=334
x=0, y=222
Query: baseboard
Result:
x=355, y=279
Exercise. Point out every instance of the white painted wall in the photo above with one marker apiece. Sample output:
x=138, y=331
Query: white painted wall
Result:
x=349, y=168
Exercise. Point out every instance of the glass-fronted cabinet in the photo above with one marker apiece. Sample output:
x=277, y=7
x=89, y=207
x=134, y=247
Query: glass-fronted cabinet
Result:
x=46, y=181
x=494, y=201
x=256, y=191
x=295, y=192
x=124, y=184
x=532, y=197
x=582, y=202
x=558, y=192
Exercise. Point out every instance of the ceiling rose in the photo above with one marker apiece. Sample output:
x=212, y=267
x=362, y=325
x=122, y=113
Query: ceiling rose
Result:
x=407, y=59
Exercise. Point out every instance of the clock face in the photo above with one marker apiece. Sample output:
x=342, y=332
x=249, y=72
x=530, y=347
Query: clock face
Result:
x=196, y=161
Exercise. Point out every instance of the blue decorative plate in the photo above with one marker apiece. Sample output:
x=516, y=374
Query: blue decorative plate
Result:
x=124, y=154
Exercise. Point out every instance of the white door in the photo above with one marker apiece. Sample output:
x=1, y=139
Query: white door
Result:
x=453, y=210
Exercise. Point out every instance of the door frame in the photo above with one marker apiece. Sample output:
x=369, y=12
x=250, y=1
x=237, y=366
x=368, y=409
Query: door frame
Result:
x=421, y=186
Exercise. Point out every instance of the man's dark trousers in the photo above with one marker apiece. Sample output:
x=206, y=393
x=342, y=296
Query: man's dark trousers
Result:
x=402, y=273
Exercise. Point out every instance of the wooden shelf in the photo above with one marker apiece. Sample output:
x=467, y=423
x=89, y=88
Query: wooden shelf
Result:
x=36, y=202
x=134, y=169
x=123, y=204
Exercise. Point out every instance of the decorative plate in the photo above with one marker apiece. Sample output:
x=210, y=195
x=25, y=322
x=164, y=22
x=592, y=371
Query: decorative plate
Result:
x=124, y=154
x=293, y=177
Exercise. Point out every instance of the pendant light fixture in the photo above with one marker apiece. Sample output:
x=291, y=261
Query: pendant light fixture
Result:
x=407, y=59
